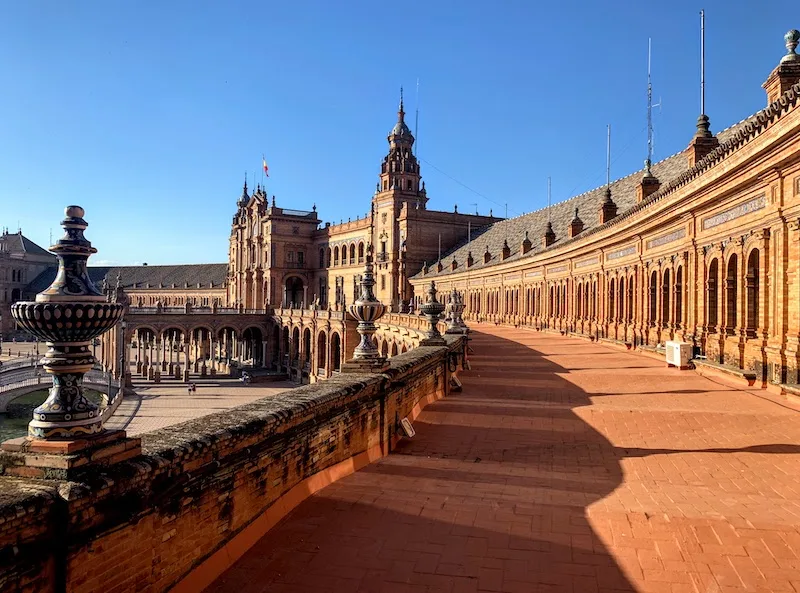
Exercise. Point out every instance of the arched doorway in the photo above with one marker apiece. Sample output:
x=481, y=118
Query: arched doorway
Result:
x=285, y=346
x=294, y=350
x=294, y=293
x=322, y=353
x=336, y=352
x=307, y=348
x=252, y=339
x=394, y=349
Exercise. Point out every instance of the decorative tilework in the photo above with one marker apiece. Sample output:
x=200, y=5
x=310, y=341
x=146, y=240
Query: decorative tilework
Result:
x=533, y=274
x=631, y=250
x=735, y=212
x=586, y=262
x=557, y=269
x=667, y=238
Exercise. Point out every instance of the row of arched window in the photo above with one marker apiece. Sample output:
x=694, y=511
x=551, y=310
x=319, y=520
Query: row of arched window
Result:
x=731, y=299
x=342, y=255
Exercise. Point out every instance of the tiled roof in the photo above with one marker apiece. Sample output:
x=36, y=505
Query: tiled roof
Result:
x=208, y=275
x=19, y=243
x=512, y=230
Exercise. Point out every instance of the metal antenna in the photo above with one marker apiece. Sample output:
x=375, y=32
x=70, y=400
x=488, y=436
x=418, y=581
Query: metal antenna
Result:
x=608, y=157
x=476, y=207
x=416, y=124
x=649, y=160
x=548, y=199
x=702, y=62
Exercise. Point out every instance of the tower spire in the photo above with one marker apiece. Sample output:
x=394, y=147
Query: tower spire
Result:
x=704, y=141
x=401, y=112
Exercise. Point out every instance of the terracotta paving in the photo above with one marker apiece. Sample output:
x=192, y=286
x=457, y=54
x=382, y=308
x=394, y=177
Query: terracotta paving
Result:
x=563, y=466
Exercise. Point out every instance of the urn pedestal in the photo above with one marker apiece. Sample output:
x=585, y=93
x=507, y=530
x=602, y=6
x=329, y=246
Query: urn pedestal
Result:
x=66, y=431
x=366, y=310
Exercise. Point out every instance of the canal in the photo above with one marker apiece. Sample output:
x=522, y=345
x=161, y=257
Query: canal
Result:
x=14, y=423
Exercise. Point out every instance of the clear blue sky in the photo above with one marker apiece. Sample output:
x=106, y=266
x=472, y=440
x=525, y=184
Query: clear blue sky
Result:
x=148, y=113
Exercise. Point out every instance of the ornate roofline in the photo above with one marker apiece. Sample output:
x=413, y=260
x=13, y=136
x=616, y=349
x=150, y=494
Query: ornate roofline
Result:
x=748, y=130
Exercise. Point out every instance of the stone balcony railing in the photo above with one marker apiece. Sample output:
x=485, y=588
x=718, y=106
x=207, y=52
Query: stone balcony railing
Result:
x=203, y=491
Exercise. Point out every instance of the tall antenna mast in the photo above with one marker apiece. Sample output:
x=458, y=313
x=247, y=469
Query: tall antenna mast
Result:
x=702, y=62
x=416, y=123
x=548, y=199
x=608, y=157
x=649, y=112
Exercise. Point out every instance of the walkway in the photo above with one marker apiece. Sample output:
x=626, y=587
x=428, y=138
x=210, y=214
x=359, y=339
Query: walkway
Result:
x=563, y=466
x=156, y=405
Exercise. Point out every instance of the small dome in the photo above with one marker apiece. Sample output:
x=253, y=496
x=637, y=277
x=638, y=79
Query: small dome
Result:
x=400, y=129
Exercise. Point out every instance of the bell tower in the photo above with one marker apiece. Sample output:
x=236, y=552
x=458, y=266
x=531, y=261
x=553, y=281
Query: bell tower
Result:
x=400, y=176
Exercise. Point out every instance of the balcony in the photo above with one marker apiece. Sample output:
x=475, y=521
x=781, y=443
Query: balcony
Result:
x=295, y=265
x=382, y=257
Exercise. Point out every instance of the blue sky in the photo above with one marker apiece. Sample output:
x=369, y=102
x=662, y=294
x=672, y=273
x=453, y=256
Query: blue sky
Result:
x=149, y=113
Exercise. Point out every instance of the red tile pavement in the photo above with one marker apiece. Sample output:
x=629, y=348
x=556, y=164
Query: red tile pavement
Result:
x=563, y=466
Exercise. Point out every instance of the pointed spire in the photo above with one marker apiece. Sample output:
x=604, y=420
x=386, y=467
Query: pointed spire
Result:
x=401, y=112
x=244, y=198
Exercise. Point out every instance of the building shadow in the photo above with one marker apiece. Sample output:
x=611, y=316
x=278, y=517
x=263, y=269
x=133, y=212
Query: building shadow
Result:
x=491, y=494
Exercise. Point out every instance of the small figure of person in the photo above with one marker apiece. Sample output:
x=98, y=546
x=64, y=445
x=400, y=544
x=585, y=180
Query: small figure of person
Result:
x=194, y=387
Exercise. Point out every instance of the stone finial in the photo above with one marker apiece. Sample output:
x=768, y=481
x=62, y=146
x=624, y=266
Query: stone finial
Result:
x=787, y=73
x=455, y=209
x=792, y=38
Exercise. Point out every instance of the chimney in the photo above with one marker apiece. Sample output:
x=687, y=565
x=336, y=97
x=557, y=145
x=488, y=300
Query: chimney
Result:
x=470, y=260
x=506, y=250
x=549, y=236
x=439, y=266
x=608, y=209
x=453, y=264
x=576, y=226
x=526, y=244
x=787, y=72
x=486, y=255
x=648, y=185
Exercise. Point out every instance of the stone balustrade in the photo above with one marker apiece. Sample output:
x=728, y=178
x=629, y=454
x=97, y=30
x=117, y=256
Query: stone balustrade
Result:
x=202, y=492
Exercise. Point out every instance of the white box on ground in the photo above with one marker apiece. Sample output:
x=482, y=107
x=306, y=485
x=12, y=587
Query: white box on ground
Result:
x=679, y=354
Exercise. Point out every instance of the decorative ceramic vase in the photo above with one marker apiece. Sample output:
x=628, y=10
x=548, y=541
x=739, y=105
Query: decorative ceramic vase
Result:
x=432, y=309
x=367, y=310
x=68, y=316
x=456, y=323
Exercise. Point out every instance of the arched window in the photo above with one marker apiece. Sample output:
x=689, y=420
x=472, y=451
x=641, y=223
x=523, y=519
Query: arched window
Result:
x=751, y=285
x=336, y=256
x=352, y=253
x=329, y=257
x=321, y=257
x=712, y=291
x=621, y=302
x=611, y=292
x=731, y=285
x=653, y=295
x=360, y=252
x=665, y=299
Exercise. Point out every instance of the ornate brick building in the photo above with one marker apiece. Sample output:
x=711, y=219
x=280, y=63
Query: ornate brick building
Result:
x=704, y=247
x=280, y=257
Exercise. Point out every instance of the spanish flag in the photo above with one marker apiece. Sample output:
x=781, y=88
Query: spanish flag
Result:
x=264, y=164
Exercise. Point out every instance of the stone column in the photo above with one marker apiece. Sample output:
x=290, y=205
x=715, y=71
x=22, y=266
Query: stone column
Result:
x=157, y=368
x=186, y=348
